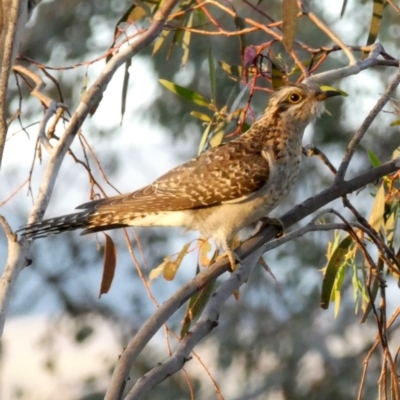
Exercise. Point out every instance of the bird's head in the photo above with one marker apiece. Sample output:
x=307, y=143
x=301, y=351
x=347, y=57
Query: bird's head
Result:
x=300, y=103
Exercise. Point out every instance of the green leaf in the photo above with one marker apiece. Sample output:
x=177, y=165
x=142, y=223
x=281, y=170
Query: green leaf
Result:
x=395, y=122
x=376, y=20
x=201, y=116
x=376, y=219
x=374, y=159
x=188, y=94
x=159, y=41
x=216, y=140
x=234, y=71
x=336, y=293
x=213, y=78
x=276, y=77
x=240, y=25
x=204, y=138
x=125, y=88
x=289, y=23
x=196, y=306
x=336, y=260
x=186, y=41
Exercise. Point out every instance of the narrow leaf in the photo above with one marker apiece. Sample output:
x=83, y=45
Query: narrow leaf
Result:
x=374, y=159
x=204, y=138
x=378, y=209
x=395, y=122
x=201, y=116
x=186, y=41
x=160, y=40
x=196, y=306
x=376, y=20
x=156, y=272
x=205, y=248
x=188, y=94
x=276, y=77
x=240, y=25
x=335, y=262
x=289, y=23
x=336, y=294
x=343, y=8
x=216, y=140
x=110, y=261
x=125, y=88
x=171, y=268
x=213, y=78
x=234, y=71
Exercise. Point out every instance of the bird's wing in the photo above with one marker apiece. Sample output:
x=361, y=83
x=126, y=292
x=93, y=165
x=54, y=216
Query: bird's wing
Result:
x=225, y=173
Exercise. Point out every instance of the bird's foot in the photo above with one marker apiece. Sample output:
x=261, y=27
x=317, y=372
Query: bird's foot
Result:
x=233, y=258
x=265, y=221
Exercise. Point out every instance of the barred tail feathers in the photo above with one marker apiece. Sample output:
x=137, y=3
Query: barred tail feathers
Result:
x=56, y=225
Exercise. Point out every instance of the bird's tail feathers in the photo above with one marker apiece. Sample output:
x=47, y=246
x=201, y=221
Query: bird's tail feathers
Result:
x=56, y=225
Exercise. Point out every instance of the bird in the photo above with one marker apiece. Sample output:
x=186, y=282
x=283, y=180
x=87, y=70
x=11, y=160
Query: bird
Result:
x=222, y=190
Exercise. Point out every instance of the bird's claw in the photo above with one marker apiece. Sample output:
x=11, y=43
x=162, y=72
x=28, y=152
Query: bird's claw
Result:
x=233, y=258
x=265, y=221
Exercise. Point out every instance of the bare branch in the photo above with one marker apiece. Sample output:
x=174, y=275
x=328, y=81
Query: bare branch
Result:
x=330, y=34
x=354, y=69
x=11, y=271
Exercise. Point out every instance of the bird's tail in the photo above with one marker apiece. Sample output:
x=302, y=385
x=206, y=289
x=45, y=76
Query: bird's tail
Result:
x=56, y=225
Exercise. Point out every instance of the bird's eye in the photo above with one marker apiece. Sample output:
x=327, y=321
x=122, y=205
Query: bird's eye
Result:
x=294, y=98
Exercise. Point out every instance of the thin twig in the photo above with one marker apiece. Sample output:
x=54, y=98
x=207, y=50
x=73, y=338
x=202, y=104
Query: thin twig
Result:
x=311, y=150
x=365, y=125
x=330, y=34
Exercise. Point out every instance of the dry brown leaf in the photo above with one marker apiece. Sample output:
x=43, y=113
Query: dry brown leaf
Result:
x=110, y=261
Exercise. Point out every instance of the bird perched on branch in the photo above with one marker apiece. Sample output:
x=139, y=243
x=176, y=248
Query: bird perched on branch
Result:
x=223, y=189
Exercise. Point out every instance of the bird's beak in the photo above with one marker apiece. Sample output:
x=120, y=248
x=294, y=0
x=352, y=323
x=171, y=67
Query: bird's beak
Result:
x=323, y=95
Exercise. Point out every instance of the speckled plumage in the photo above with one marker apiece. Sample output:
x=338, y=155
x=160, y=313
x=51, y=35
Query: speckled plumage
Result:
x=222, y=190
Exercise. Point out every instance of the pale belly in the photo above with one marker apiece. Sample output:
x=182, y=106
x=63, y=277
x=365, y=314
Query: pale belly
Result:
x=225, y=220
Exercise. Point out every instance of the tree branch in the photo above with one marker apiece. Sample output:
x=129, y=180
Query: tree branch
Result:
x=258, y=243
x=365, y=125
